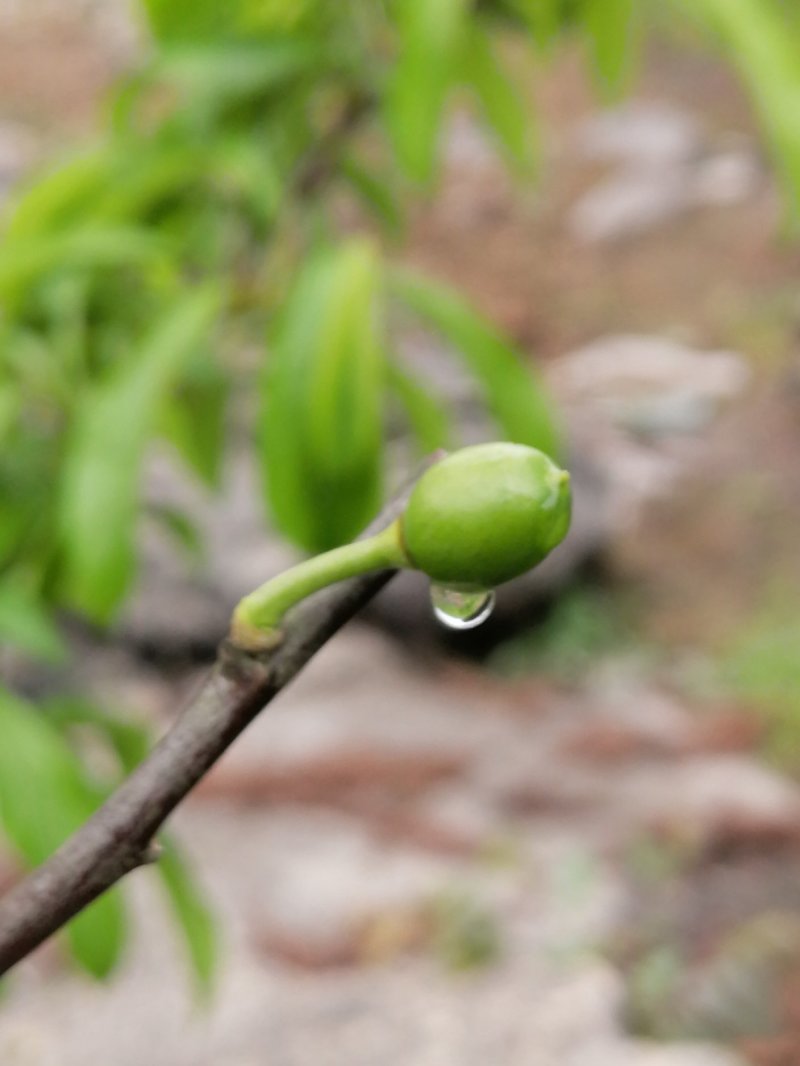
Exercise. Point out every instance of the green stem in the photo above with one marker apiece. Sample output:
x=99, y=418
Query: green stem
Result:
x=257, y=618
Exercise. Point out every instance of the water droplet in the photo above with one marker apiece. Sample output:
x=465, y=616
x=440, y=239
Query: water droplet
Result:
x=461, y=608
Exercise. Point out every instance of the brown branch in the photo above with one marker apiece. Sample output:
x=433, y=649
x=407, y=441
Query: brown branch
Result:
x=119, y=836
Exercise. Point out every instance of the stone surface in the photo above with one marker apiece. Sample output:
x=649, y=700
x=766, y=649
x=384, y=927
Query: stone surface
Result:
x=639, y=405
x=641, y=133
x=662, y=167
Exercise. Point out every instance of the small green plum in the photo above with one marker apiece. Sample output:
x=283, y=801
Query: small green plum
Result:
x=486, y=514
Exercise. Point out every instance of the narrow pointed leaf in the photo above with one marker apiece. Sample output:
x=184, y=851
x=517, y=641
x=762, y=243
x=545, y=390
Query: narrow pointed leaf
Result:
x=193, y=915
x=321, y=420
x=428, y=419
x=761, y=42
x=611, y=29
x=44, y=797
x=100, y=485
x=375, y=194
x=194, y=419
x=26, y=623
x=515, y=397
x=429, y=34
x=501, y=103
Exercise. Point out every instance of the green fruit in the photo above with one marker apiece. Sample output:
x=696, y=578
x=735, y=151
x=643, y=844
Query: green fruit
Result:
x=486, y=514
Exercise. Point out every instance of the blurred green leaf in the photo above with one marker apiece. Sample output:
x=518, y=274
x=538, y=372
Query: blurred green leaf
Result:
x=610, y=27
x=428, y=418
x=25, y=621
x=762, y=44
x=214, y=20
x=191, y=20
x=214, y=76
x=193, y=915
x=194, y=418
x=182, y=530
x=321, y=422
x=44, y=797
x=59, y=197
x=375, y=194
x=97, y=935
x=515, y=397
x=544, y=18
x=129, y=741
x=147, y=175
x=503, y=107
x=24, y=262
x=10, y=403
x=429, y=34
x=100, y=483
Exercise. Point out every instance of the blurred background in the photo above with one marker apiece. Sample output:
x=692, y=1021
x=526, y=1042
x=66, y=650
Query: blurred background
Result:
x=257, y=258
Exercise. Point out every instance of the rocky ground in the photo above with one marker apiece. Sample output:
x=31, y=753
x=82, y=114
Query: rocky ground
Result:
x=417, y=859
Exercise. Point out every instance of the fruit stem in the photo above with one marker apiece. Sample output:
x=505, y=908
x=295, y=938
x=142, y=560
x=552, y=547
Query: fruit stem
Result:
x=255, y=625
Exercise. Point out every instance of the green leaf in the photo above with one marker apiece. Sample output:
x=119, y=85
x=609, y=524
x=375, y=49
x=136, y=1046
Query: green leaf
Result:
x=194, y=419
x=502, y=106
x=215, y=20
x=112, y=424
x=213, y=76
x=191, y=20
x=97, y=935
x=429, y=37
x=193, y=915
x=544, y=18
x=375, y=194
x=127, y=740
x=762, y=44
x=182, y=530
x=610, y=28
x=10, y=404
x=44, y=797
x=130, y=743
x=26, y=623
x=24, y=262
x=515, y=397
x=321, y=421
x=428, y=419
x=59, y=198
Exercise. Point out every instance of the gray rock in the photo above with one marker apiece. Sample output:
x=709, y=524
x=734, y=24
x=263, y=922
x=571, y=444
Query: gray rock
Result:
x=639, y=405
x=629, y=203
x=663, y=168
x=642, y=133
x=725, y=178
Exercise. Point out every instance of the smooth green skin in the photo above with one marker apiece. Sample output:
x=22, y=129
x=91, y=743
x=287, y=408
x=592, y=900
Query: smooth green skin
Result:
x=486, y=514
x=482, y=516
